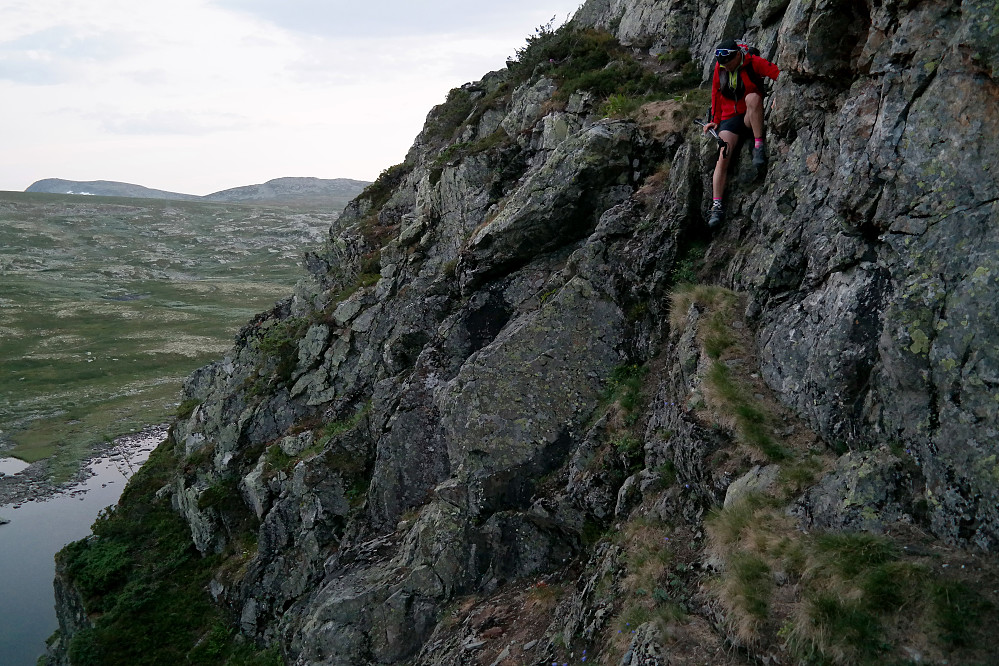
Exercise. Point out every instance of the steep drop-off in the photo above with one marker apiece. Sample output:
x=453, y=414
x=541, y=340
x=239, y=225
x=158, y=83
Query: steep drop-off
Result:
x=500, y=423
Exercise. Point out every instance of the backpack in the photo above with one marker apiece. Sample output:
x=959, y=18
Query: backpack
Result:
x=757, y=80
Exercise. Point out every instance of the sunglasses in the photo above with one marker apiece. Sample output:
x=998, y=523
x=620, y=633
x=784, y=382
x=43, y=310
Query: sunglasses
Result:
x=725, y=54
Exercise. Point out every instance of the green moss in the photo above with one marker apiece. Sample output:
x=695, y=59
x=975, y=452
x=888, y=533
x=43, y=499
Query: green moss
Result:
x=186, y=408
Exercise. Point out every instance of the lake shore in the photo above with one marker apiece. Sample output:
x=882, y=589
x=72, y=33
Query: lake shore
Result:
x=34, y=483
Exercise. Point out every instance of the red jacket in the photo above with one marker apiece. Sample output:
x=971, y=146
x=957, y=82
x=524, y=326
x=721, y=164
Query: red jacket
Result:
x=722, y=107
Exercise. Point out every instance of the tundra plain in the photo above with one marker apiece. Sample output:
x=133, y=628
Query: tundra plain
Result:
x=107, y=304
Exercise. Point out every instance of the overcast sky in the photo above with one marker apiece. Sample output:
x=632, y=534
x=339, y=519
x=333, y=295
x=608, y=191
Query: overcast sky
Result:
x=198, y=96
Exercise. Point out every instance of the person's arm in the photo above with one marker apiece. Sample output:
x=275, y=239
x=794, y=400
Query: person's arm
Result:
x=764, y=67
x=715, y=102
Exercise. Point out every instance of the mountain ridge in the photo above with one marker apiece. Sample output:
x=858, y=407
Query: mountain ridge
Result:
x=334, y=191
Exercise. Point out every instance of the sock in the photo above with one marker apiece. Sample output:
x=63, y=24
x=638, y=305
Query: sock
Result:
x=717, y=203
x=759, y=143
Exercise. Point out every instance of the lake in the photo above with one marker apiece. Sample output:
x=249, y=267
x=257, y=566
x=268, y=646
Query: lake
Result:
x=37, y=531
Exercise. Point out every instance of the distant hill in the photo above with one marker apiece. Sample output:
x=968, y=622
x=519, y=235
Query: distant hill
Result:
x=335, y=192
x=104, y=188
x=294, y=190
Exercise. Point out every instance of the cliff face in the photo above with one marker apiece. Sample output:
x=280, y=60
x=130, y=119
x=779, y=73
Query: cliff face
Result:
x=491, y=361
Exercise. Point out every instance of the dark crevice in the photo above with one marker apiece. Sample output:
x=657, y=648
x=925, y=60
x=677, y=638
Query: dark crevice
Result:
x=513, y=488
x=956, y=386
x=934, y=407
x=903, y=117
x=485, y=321
x=868, y=325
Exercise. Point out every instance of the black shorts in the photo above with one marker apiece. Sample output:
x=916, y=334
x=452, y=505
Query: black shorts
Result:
x=736, y=125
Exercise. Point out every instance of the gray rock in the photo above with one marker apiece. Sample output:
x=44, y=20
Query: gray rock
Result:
x=627, y=497
x=645, y=648
x=757, y=480
x=560, y=202
x=503, y=433
x=868, y=491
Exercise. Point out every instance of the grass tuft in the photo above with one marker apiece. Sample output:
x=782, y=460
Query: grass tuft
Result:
x=848, y=597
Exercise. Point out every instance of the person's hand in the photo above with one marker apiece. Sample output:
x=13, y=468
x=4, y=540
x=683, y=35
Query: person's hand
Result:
x=708, y=127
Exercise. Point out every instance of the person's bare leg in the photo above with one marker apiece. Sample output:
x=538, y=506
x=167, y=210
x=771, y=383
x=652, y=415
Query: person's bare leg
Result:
x=754, y=114
x=717, y=215
x=721, y=166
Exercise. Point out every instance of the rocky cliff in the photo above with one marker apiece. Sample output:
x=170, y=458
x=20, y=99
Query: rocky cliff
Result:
x=523, y=409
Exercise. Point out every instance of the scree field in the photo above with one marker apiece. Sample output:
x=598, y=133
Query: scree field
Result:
x=107, y=304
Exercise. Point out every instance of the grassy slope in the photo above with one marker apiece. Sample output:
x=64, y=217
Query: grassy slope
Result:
x=107, y=304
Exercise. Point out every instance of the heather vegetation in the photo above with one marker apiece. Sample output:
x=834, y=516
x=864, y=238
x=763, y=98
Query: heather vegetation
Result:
x=594, y=61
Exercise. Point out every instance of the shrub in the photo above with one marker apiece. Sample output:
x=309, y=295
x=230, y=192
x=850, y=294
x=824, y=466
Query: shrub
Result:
x=444, y=119
x=98, y=566
x=186, y=408
x=686, y=267
x=625, y=387
x=379, y=192
x=589, y=60
x=279, y=346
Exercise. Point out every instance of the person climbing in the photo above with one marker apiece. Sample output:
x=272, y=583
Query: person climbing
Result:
x=736, y=108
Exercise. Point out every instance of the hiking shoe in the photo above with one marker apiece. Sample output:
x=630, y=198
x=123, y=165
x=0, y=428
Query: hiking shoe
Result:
x=716, y=218
x=759, y=157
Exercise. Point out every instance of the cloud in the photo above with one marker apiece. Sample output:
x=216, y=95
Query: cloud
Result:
x=70, y=42
x=147, y=77
x=171, y=122
x=201, y=95
x=387, y=18
x=33, y=69
x=56, y=54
